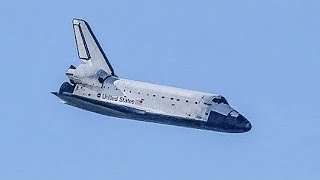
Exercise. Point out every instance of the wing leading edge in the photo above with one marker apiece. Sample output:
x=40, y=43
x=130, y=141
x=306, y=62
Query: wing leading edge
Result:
x=89, y=49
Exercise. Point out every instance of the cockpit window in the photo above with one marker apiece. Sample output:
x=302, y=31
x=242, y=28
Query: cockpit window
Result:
x=220, y=99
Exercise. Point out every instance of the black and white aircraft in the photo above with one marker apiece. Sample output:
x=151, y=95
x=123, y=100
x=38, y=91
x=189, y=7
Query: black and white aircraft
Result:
x=95, y=87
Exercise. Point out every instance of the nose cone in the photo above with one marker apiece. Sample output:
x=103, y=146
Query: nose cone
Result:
x=230, y=123
x=243, y=123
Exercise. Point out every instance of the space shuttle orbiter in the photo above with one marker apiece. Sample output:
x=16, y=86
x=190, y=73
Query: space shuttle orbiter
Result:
x=95, y=87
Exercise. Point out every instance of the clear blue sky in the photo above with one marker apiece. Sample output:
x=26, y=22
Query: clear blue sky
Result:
x=263, y=56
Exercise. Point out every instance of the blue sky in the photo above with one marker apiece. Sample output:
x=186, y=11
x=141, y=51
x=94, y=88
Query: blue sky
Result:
x=263, y=56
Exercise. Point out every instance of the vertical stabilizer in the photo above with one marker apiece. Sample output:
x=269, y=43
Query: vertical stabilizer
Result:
x=89, y=49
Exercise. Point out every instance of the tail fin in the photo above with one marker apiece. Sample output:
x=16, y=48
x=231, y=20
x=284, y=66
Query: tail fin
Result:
x=89, y=49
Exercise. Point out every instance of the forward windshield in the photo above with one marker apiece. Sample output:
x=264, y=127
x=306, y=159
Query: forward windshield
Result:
x=220, y=99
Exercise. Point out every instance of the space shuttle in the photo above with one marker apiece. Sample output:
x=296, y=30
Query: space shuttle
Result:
x=94, y=86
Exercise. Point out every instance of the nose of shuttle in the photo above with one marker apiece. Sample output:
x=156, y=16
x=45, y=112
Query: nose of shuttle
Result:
x=229, y=123
x=244, y=124
x=238, y=124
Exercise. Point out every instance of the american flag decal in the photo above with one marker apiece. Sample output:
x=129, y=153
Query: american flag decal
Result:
x=138, y=102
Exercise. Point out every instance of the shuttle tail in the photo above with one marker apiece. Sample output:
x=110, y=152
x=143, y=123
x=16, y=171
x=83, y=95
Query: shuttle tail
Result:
x=89, y=49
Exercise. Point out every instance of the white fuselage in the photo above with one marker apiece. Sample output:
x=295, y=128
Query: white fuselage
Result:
x=153, y=98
